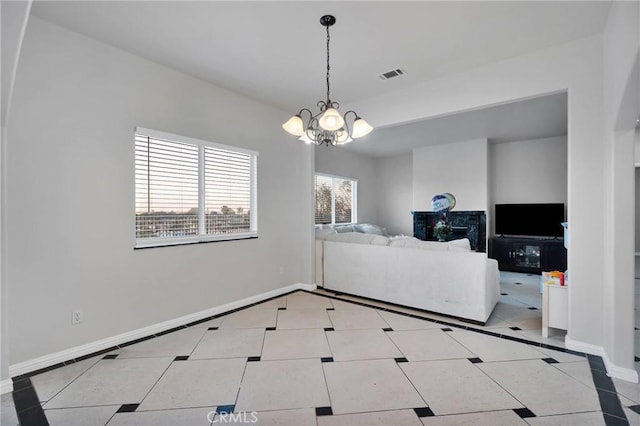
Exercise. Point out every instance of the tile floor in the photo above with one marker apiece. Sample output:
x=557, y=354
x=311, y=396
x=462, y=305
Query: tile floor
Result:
x=309, y=359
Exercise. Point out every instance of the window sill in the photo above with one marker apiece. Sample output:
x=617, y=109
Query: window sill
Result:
x=170, y=242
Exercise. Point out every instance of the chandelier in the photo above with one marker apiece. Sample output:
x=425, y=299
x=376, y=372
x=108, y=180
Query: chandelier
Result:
x=327, y=127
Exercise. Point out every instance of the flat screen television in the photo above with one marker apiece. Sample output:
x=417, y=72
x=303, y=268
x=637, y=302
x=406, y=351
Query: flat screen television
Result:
x=535, y=220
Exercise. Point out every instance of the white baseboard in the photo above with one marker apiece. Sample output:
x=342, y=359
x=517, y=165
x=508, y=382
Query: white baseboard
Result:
x=578, y=346
x=78, y=351
x=6, y=386
x=622, y=373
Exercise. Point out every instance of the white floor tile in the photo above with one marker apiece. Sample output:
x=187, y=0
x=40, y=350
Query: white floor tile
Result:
x=402, y=322
x=361, y=386
x=628, y=389
x=531, y=324
x=339, y=304
x=181, y=342
x=632, y=416
x=378, y=418
x=282, y=385
x=581, y=371
x=496, y=322
x=8, y=415
x=302, y=300
x=535, y=335
x=182, y=417
x=490, y=418
x=295, y=344
x=229, y=343
x=280, y=302
x=301, y=417
x=198, y=383
x=426, y=345
x=48, y=384
x=216, y=322
x=351, y=345
x=503, y=331
x=581, y=419
x=457, y=386
x=561, y=356
x=85, y=416
x=356, y=319
x=489, y=348
x=542, y=388
x=112, y=382
x=292, y=319
x=251, y=318
x=512, y=313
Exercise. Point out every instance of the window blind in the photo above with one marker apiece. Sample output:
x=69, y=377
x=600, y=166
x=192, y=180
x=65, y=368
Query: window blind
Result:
x=228, y=189
x=335, y=199
x=324, y=202
x=343, y=190
x=192, y=191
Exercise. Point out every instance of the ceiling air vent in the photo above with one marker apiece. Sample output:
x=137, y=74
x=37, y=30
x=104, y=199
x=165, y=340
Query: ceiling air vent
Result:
x=391, y=74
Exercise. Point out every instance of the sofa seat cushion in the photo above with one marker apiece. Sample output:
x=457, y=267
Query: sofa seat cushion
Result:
x=358, y=238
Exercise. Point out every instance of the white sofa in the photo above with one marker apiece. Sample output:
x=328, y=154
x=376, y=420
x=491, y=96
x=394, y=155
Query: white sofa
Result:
x=445, y=278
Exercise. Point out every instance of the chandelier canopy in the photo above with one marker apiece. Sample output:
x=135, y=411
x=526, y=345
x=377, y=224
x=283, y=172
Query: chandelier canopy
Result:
x=327, y=127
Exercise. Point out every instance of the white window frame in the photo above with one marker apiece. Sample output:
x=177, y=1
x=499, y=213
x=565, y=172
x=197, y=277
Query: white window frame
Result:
x=354, y=198
x=202, y=237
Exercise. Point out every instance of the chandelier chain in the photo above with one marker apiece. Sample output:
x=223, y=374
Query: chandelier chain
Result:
x=328, y=67
x=327, y=127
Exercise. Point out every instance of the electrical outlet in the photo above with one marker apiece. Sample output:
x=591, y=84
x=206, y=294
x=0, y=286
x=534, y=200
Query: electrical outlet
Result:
x=76, y=317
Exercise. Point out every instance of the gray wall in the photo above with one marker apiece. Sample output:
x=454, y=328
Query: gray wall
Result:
x=515, y=172
x=458, y=168
x=394, y=177
x=530, y=171
x=341, y=162
x=70, y=196
x=637, y=201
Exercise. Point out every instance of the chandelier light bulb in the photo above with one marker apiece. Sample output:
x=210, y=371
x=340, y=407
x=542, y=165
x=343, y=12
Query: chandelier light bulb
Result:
x=360, y=128
x=294, y=126
x=331, y=120
x=342, y=137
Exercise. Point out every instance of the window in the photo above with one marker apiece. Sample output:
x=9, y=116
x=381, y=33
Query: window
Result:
x=335, y=199
x=190, y=191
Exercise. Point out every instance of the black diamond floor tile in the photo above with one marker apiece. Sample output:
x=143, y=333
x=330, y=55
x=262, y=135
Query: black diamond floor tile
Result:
x=424, y=412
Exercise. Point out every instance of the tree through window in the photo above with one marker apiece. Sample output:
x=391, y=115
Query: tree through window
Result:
x=335, y=200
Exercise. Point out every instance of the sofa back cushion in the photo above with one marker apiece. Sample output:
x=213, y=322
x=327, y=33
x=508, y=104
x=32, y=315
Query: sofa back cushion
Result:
x=412, y=242
x=404, y=241
x=358, y=238
x=322, y=233
x=434, y=245
x=459, y=245
x=367, y=228
x=341, y=229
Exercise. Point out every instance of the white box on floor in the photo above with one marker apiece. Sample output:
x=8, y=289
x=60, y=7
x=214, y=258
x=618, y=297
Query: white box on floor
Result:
x=555, y=303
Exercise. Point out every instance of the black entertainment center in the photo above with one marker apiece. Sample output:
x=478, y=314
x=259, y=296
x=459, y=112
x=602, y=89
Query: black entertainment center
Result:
x=529, y=237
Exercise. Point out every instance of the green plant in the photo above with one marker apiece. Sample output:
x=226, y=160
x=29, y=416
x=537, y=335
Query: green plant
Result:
x=442, y=228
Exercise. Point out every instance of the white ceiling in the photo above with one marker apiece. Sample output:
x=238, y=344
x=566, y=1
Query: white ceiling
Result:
x=275, y=51
x=537, y=118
